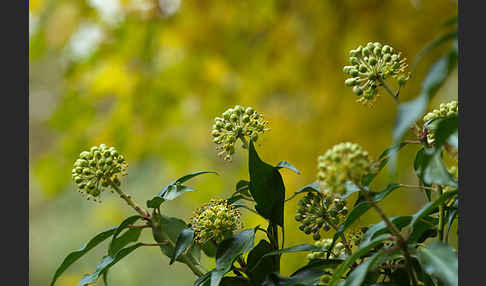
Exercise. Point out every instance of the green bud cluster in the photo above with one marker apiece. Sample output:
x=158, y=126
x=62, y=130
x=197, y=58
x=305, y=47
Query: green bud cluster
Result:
x=337, y=252
x=214, y=220
x=370, y=66
x=237, y=123
x=97, y=169
x=316, y=211
x=445, y=110
x=354, y=237
x=343, y=162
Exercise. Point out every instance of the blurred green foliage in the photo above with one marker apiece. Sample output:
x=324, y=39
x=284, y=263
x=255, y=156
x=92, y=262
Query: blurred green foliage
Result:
x=149, y=76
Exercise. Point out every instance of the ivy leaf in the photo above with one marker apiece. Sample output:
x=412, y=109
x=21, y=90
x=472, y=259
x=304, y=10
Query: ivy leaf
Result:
x=429, y=167
x=363, y=250
x=295, y=248
x=234, y=281
x=410, y=112
x=307, y=275
x=257, y=255
x=266, y=187
x=358, y=275
x=106, y=263
x=440, y=260
x=243, y=187
x=228, y=250
x=175, y=189
x=285, y=164
x=183, y=242
x=75, y=255
x=129, y=236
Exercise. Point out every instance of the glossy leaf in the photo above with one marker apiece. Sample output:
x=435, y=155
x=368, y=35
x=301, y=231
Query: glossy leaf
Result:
x=75, y=255
x=307, y=275
x=243, y=187
x=440, y=261
x=183, y=242
x=106, y=263
x=228, y=250
x=266, y=187
x=381, y=228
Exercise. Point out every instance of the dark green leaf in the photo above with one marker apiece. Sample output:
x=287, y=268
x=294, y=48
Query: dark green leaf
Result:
x=307, y=275
x=410, y=112
x=203, y=279
x=155, y=202
x=75, y=255
x=430, y=168
x=256, y=256
x=357, y=276
x=363, y=250
x=295, y=248
x=228, y=250
x=183, y=242
x=235, y=281
x=450, y=221
x=118, y=243
x=440, y=260
x=106, y=263
x=285, y=164
x=209, y=249
x=423, y=229
x=266, y=187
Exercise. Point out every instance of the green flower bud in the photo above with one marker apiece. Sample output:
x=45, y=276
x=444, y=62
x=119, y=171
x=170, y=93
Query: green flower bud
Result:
x=350, y=82
x=354, y=61
x=372, y=61
x=357, y=90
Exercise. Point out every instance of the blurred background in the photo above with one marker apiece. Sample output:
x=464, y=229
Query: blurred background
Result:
x=149, y=76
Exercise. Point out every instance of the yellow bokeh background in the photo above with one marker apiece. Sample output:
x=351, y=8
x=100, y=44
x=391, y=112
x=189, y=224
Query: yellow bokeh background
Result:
x=149, y=77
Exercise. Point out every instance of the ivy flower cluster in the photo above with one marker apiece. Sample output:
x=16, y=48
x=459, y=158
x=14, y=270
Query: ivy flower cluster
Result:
x=213, y=220
x=343, y=162
x=97, y=169
x=316, y=211
x=370, y=66
x=237, y=123
x=445, y=110
x=338, y=250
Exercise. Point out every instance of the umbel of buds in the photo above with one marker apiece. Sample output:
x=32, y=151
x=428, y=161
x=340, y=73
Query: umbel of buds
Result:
x=214, y=221
x=237, y=123
x=316, y=211
x=97, y=169
x=337, y=251
x=370, y=66
x=445, y=110
x=343, y=162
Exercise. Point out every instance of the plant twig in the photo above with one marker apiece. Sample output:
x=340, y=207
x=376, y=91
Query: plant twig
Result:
x=130, y=201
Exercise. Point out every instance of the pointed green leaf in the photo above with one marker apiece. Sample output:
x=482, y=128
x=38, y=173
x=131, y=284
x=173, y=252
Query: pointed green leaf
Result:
x=429, y=167
x=285, y=164
x=183, y=242
x=266, y=187
x=106, y=263
x=117, y=244
x=440, y=260
x=75, y=255
x=357, y=276
x=295, y=248
x=228, y=250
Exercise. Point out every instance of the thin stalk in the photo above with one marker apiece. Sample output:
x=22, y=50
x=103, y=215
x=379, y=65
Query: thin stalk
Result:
x=441, y=216
x=418, y=187
x=130, y=201
x=394, y=230
x=388, y=89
